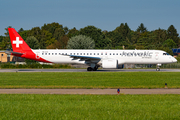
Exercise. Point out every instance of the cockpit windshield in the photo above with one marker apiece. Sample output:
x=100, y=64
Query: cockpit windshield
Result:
x=165, y=53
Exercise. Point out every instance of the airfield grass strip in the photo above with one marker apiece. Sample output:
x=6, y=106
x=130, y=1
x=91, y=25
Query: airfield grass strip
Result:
x=90, y=80
x=94, y=107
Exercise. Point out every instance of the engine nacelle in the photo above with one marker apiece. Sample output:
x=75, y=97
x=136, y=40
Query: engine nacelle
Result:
x=110, y=63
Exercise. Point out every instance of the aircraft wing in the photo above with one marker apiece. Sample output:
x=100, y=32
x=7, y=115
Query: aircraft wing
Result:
x=84, y=58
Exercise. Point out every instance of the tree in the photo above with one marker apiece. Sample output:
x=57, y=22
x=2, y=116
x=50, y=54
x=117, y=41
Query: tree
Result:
x=6, y=44
x=125, y=32
x=58, y=33
x=63, y=42
x=1, y=38
x=134, y=37
x=66, y=30
x=169, y=43
x=24, y=34
x=60, y=44
x=99, y=38
x=178, y=58
x=36, y=32
x=51, y=27
x=160, y=36
x=116, y=39
x=20, y=30
x=32, y=42
x=72, y=32
x=7, y=32
x=46, y=39
x=172, y=34
x=81, y=42
x=141, y=28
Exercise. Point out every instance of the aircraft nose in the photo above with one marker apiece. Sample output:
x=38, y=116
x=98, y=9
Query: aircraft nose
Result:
x=174, y=59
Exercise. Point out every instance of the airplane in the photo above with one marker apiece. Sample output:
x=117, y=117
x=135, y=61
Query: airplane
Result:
x=109, y=59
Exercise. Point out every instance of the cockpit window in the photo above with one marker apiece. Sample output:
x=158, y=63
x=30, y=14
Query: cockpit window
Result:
x=165, y=54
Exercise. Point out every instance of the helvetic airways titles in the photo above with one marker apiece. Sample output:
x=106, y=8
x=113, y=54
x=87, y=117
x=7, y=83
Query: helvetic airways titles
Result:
x=140, y=54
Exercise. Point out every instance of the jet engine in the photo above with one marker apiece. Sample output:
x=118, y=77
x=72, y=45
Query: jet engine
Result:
x=110, y=63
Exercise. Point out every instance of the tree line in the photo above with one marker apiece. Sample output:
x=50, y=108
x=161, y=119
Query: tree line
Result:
x=54, y=35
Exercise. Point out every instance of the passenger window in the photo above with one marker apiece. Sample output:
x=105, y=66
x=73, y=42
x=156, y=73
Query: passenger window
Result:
x=49, y=53
x=52, y=53
x=90, y=53
x=87, y=53
x=97, y=53
x=45, y=53
x=74, y=53
x=84, y=54
x=55, y=53
x=77, y=53
x=81, y=53
x=101, y=53
x=42, y=53
x=109, y=53
x=70, y=53
x=116, y=53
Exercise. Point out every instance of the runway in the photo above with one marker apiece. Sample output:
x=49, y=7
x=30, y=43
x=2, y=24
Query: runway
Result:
x=84, y=70
x=89, y=91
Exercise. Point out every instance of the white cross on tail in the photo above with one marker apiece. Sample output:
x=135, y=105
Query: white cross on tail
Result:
x=17, y=42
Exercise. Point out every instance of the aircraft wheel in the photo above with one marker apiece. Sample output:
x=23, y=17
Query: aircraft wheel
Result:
x=157, y=69
x=89, y=69
x=94, y=69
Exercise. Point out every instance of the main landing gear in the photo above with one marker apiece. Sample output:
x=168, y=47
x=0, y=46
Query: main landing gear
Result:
x=92, y=69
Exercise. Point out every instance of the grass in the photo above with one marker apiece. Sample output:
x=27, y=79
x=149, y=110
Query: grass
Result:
x=90, y=80
x=80, y=107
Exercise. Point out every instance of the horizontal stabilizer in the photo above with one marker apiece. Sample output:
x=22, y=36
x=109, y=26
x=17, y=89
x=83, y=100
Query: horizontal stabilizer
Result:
x=14, y=53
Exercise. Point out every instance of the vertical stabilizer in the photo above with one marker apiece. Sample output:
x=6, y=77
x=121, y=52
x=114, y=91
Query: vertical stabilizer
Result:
x=18, y=44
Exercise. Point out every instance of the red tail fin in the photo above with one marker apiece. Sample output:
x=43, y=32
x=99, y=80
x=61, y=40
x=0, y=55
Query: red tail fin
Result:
x=18, y=44
x=20, y=48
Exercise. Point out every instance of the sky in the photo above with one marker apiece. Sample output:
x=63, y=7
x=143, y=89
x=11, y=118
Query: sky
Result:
x=103, y=14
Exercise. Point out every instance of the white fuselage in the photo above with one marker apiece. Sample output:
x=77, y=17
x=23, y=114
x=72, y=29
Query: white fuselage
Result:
x=123, y=56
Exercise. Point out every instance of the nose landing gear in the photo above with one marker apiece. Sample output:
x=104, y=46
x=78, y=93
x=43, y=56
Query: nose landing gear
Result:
x=158, y=67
